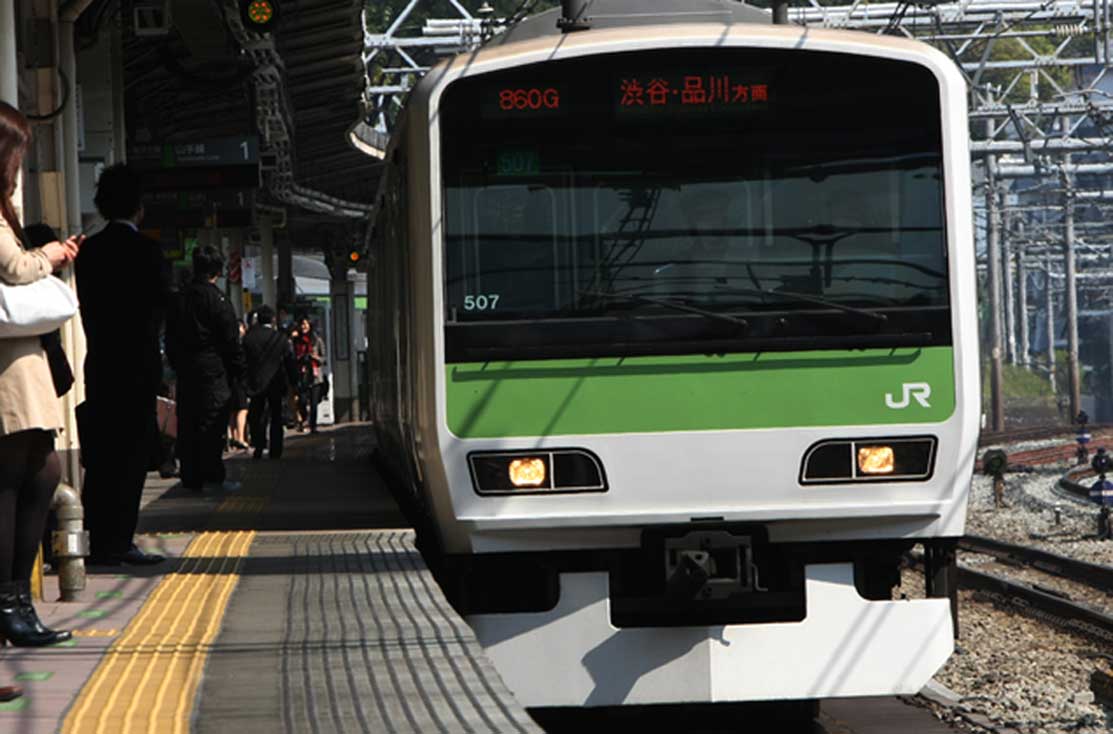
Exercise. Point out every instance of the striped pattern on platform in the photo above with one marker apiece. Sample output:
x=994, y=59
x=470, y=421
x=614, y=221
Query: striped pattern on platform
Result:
x=148, y=679
x=372, y=645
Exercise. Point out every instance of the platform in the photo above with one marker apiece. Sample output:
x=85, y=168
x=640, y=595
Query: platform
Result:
x=298, y=604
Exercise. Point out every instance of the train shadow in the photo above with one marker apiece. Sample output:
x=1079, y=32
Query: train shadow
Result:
x=782, y=717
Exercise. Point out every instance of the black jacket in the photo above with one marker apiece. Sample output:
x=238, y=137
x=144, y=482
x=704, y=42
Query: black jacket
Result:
x=203, y=336
x=122, y=284
x=269, y=353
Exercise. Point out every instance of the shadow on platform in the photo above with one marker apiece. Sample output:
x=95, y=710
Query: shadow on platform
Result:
x=324, y=481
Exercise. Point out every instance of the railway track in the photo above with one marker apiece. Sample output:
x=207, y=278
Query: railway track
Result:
x=1066, y=451
x=1038, y=433
x=1077, y=481
x=1092, y=574
x=1051, y=605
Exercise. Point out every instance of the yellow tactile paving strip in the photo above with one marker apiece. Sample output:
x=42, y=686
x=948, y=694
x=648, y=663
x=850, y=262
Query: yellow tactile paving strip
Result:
x=148, y=679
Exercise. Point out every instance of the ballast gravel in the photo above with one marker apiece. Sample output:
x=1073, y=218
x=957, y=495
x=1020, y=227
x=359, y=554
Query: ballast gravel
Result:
x=1017, y=671
x=1020, y=671
x=1032, y=501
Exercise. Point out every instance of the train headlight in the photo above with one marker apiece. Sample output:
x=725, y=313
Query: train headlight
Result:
x=528, y=472
x=899, y=458
x=536, y=472
x=875, y=459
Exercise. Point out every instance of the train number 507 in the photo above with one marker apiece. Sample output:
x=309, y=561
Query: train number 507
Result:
x=481, y=302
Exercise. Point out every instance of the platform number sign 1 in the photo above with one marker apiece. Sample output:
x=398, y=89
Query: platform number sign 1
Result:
x=259, y=15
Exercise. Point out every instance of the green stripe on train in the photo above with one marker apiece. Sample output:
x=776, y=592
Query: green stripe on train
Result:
x=700, y=392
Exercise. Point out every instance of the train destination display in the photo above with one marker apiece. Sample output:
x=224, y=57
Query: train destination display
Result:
x=683, y=94
x=637, y=95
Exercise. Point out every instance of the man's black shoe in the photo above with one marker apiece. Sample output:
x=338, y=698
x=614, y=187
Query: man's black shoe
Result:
x=136, y=557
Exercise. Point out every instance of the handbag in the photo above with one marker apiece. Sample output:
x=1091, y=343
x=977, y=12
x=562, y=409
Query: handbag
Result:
x=35, y=308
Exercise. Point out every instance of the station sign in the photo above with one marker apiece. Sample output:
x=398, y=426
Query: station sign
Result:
x=241, y=150
x=206, y=165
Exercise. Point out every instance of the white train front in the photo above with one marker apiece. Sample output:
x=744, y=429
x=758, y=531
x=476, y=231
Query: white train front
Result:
x=675, y=354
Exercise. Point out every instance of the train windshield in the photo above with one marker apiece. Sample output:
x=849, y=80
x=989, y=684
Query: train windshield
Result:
x=686, y=202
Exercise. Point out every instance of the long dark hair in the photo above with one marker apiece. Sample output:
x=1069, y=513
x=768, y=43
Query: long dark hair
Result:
x=15, y=136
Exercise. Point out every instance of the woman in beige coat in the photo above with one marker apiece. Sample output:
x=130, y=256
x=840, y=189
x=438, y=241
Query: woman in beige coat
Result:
x=30, y=412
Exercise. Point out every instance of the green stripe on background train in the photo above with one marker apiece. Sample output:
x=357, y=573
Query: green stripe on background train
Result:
x=700, y=392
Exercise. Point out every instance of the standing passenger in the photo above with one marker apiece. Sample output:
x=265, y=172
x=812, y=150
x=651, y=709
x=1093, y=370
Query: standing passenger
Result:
x=122, y=282
x=271, y=372
x=30, y=413
x=309, y=348
x=202, y=343
x=237, y=420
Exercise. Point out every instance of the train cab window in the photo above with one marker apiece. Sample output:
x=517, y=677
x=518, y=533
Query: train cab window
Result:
x=511, y=260
x=590, y=210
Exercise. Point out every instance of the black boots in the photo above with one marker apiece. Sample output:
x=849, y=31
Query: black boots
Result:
x=19, y=624
x=23, y=591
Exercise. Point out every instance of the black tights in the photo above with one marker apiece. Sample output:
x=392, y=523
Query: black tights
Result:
x=29, y=473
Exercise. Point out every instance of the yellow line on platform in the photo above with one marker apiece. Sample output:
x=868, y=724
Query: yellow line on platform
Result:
x=148, y=678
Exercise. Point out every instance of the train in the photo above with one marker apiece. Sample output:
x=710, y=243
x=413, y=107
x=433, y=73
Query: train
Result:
x=674, y=353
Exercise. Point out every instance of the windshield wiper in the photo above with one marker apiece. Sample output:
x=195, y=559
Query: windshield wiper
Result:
x=807, y=298
x=667, y=303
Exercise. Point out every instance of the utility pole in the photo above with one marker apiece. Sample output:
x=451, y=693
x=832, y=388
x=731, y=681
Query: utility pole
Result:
x=1022, y=301
x=780, y=12
x=993, y=275
x=1049, y=311
x=1071, y=287
x=1006, y=273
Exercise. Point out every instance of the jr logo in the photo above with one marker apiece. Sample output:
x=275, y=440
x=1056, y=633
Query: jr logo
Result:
x=919, y=390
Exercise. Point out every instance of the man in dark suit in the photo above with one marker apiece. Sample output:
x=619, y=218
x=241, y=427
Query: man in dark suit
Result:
x=271, y=371
x=122, y=283
x=203, y=345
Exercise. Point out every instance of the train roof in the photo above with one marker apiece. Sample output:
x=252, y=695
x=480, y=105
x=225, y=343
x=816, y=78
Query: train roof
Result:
x=627, y=13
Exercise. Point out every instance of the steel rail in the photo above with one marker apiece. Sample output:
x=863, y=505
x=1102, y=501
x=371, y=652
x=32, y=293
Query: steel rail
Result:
x=1058, y=610
x=1091, y=574
x=1073, y=488
x=989, y=438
